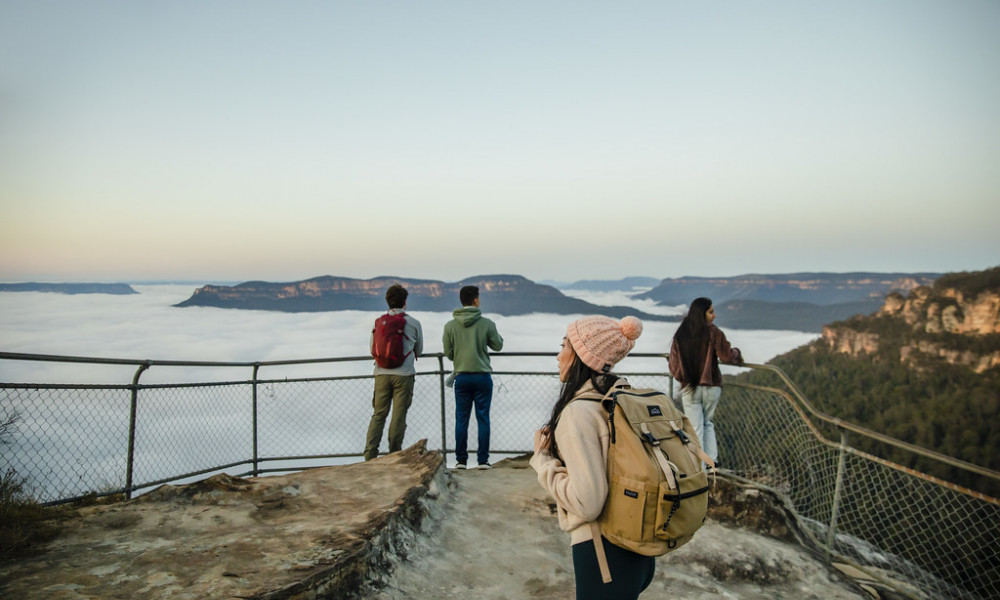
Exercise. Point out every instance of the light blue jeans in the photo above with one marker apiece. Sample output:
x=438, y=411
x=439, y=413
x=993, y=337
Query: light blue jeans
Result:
x=699, y=407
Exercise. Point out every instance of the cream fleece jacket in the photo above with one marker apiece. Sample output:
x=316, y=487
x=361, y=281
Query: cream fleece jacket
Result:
x=579, y=483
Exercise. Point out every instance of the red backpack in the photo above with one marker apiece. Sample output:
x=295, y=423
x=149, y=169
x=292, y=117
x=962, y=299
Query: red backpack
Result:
x=387, y=340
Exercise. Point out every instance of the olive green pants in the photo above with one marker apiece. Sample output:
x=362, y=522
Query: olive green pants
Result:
x=395, y=392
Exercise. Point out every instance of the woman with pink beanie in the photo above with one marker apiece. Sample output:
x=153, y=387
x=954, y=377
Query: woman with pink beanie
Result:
x=571, y=455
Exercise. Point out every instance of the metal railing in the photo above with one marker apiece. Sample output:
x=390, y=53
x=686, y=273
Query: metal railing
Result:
x=924, y=536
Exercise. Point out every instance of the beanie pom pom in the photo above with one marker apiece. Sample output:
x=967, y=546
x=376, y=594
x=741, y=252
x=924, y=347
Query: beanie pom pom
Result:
x=631, y=327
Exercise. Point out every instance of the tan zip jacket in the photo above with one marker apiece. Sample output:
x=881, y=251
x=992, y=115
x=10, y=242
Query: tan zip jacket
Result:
x=578, y=483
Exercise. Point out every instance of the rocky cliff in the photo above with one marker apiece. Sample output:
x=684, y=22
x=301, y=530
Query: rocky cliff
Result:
x=400, y=526
x=956, y=320
x=501, y=294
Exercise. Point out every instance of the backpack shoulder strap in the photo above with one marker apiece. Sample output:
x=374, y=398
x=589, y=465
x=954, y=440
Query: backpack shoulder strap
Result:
x=602, y=559
x=608, y=401
x=597, y=396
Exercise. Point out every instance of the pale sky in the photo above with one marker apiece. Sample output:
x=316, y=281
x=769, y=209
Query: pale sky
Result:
x=229, y=141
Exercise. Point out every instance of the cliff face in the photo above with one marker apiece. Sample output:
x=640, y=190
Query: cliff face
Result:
x=848, y=341
x=956, y=321
x=947, y=310
x=262, y=291
x=500, y=294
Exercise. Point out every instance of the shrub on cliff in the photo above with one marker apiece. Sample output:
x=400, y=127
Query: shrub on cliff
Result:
x=23, y=521
x=970, y=283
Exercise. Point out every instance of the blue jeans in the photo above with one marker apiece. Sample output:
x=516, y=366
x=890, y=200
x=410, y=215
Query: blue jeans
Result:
x=699, y=407
x=472, y=389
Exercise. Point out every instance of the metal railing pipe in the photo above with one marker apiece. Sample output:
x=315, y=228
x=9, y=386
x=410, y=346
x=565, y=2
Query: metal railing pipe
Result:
x=838, y=488
x=256, y=368
x=444, y=414
x=133, y=409
x=840, y=424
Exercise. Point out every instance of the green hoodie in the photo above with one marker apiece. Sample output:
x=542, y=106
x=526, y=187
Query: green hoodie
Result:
x=466, y=339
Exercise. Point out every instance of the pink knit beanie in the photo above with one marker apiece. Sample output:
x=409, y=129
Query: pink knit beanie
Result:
x=601, y=342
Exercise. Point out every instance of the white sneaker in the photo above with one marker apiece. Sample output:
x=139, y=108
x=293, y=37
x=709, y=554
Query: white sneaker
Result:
x=460, y=466
x=484, y=466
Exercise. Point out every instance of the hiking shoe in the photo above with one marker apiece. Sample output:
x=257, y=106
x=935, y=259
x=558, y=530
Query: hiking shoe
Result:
x=484, y=466
x=460, y=466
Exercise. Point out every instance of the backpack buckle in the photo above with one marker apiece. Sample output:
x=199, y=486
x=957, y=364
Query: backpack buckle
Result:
x=647, y=436
x=684, y=437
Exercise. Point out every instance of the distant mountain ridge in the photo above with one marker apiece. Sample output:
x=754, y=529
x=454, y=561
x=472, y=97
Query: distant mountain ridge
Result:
x=506, y=295
x=798, y=301
x=69, y=288
x=794, y=316
x=795, y=301
x=626, y=284
x=814, y=288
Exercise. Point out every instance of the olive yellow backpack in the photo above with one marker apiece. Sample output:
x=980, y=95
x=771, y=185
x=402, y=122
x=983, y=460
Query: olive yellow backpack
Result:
x=657, y=484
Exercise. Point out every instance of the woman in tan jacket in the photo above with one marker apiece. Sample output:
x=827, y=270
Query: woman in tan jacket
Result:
x=571, y=455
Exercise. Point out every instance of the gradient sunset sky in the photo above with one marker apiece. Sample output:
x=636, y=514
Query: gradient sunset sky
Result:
x=229, y=141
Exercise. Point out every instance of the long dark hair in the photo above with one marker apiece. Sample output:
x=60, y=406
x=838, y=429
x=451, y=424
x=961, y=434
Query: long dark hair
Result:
x=692, y=339
x=578, y=375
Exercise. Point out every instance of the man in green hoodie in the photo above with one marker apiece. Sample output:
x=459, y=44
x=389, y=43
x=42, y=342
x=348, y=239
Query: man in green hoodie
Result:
x=468, y=337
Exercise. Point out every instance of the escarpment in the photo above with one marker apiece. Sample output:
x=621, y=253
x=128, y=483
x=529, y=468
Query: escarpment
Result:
x=957, y=321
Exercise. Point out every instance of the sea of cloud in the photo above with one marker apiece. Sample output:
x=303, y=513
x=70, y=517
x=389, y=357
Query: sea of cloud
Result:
x=64, y=445
x=147, y=326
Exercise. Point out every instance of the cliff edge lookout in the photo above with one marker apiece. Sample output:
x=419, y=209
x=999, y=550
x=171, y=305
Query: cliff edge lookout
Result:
x=401, y=526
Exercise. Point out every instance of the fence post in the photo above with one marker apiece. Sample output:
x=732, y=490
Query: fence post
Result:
x=670, y=377
x=256, y=472
x=130, y=459
x=444, y=422
x=831, y=532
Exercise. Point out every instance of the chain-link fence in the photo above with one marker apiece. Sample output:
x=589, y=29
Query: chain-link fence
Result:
x=923, y=536
x=927, y=538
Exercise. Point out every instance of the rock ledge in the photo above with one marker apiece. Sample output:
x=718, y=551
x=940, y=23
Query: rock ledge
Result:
x=312, y=534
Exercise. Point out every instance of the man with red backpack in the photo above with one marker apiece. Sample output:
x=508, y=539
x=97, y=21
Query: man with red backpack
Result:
x=396, y=341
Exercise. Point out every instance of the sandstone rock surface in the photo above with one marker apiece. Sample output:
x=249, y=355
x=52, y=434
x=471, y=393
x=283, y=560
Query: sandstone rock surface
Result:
x=500, y=540
x=399, y=527
x=311, y=534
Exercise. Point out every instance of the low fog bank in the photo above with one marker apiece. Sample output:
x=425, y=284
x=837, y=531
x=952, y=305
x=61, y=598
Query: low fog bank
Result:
x=147, y=326
x=621, y=298
x=294, y=421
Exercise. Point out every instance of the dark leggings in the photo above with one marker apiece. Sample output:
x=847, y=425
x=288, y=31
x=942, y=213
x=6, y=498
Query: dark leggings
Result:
x=631, y=573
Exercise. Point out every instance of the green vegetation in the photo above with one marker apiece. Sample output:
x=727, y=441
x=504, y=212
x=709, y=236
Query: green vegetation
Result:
x=970, y=284
x=23, y=522
x=938, y=406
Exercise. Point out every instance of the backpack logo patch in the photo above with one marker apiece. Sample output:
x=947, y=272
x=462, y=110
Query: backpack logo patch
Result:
x=631, y=494
x=654, y=411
